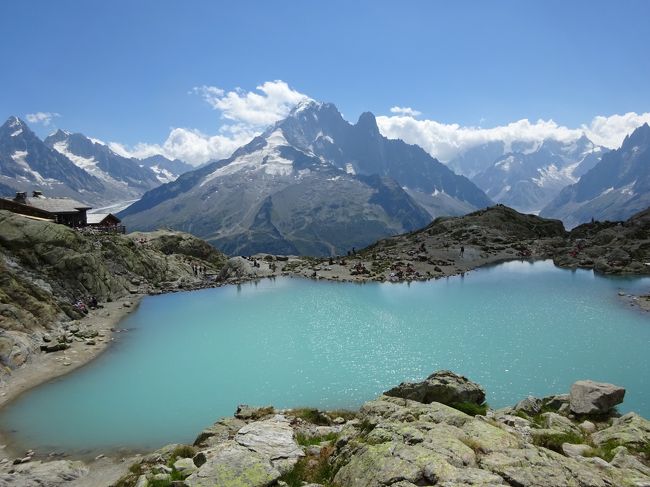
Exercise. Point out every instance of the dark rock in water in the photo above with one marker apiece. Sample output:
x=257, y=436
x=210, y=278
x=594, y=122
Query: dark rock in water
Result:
x=443, y=386
x=589, y=397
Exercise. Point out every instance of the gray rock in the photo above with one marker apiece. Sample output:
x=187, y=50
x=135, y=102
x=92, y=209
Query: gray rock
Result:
x=630, y=430
x=232, y=465
x=573, y=450
x=588, y=427
x=274, y=439
x=555, y=402
x=531, y=406
x=44, y=474
x=443, y=386
x=247, y=413
x=185, y=466
x=589, y=397
x=222, y=430
x=557, y=422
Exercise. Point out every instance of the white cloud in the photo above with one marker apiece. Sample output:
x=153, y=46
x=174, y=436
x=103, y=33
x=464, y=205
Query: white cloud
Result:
x=274, y=102
x=246, y=115
x=610, y=131
x=189, y=145
x=44, y=118
x=405, y=111
x=446, y=141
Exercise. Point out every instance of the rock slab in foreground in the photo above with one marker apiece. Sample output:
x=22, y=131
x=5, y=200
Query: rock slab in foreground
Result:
x=442, y=386
x=589, y=397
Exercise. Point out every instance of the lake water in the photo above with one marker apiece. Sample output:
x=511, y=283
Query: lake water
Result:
x=518, y=328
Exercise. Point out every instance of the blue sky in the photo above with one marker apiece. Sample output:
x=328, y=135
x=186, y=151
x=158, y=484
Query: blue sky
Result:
x=124, y=70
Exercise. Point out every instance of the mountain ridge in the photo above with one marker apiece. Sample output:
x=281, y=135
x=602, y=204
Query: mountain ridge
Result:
x=311, y=182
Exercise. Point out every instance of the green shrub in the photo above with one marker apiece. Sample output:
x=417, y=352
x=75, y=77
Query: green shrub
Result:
x=553, y=441
x=471, y=408
x=311, y=415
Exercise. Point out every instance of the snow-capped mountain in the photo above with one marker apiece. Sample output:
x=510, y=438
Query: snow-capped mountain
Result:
x=122, y=176
x=26, y=163
x=76, y=166
x=166, y=170
x=615, y=188
x=310, y=184
x=361, y=149
x=529, y=179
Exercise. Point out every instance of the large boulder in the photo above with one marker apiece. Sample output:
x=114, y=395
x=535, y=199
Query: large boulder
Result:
x=232, y=465
x=443, y=386
x=589, y=397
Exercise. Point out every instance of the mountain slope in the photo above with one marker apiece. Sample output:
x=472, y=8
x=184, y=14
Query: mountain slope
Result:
x=529, y=180
x=614, y=189
x=311, y=184
x=26, y=163
x=166, y=170
x=122, y=177
x=272, y=197
x=361, y=149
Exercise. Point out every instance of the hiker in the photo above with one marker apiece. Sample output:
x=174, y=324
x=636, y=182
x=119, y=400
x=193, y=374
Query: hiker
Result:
x=462, y=250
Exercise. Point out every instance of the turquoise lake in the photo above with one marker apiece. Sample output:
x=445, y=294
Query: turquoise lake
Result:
x=189, y=358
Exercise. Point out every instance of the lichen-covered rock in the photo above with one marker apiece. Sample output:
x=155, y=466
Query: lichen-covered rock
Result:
x=630, y=430
x=272, y=438
x=44, y=474
x=531, y=406
x=230, y=464
x=557, y=422
x=443, y=386
x=533, y=467
x=589, y=397
x=222, y=430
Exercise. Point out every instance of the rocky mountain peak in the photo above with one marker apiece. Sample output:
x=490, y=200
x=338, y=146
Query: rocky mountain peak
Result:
x=639, y=138
x=368, y=123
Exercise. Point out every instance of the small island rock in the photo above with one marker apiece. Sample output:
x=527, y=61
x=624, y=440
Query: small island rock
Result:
x=589, y=397
x=442, y=386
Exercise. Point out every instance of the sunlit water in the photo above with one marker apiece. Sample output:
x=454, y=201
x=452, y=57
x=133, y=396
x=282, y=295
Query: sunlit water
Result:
x=190, y=358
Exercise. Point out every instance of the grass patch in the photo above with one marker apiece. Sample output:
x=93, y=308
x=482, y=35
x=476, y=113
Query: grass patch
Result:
x=311, y=415
x=606, y=450
x=553, y=441
x=471, y=408
x=305, y=440
x=472, y=443
x=312, y=469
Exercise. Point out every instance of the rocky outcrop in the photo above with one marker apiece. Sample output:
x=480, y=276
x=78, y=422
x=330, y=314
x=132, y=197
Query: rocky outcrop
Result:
x=589, y=397
x=398, y=442
x=443, y=386
x=46, y=268
x=44, y=474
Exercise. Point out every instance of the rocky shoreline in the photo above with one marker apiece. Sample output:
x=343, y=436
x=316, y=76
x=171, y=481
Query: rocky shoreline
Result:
x=438, y=432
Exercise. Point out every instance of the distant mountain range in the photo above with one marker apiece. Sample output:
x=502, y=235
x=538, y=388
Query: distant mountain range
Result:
x=527, y=178
x=76, y=166
x=614, y=189
x=316, y=184
x=311, y=184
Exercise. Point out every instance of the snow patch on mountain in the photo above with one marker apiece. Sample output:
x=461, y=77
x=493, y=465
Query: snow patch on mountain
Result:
x=19, y=158
x=268, y=159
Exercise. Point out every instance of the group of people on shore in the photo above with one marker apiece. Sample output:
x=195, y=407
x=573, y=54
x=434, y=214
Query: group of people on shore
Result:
x=84, y=304
x=198, y=269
